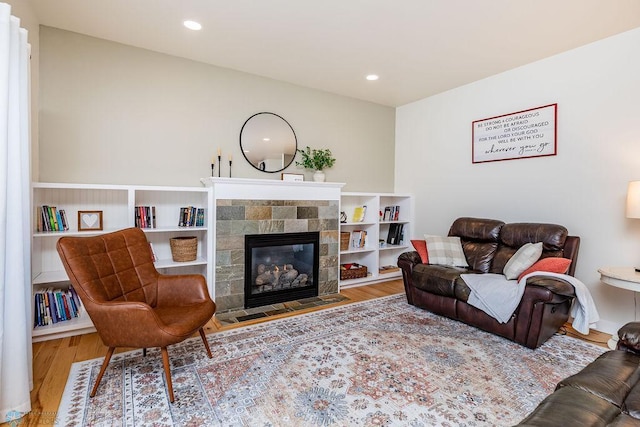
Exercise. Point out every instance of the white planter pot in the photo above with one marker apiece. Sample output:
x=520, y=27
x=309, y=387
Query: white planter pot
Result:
x=318, y=176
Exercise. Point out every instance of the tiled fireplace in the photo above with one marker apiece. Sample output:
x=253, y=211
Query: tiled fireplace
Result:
x=246, y=207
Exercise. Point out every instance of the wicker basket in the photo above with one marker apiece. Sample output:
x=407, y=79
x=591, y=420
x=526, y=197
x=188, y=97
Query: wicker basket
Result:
x=184, y=248
x=355, y=272
x=344, y=240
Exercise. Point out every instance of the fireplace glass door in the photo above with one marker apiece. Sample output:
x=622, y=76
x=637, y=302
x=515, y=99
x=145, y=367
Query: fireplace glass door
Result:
x=280, y=267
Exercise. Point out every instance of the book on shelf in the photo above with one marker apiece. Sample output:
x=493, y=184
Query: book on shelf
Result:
x=358, y=239
x=191, y=216
x=358, y=213
x=145, y=216
x=55, y=305
x=391, y=213
x=65, y=221
x=396, y=234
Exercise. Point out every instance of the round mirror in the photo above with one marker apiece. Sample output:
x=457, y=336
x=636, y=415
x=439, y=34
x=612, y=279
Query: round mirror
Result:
x=268, y=142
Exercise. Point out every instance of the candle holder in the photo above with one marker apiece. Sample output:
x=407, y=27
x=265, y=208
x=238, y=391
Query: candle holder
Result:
x=213, y=165
x=220, y=163
x=229, y=168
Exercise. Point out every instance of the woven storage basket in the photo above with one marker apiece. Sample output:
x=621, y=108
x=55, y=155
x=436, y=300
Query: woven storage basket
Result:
x=344, y=241
x=184, y=248
x=353, y=273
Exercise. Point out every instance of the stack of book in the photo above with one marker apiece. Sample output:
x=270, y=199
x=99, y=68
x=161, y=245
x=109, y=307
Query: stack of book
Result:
x=51, y=218
x=55, y=305
x=388, y=269
x=145, y=216
x=191, y=216
x=391, y=213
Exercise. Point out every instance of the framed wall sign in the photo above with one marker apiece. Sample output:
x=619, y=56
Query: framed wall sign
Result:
x=89, y=220
x=519, y=135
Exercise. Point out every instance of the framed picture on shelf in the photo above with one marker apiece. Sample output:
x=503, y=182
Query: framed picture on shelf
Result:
x=292, y=177
x=89, y=220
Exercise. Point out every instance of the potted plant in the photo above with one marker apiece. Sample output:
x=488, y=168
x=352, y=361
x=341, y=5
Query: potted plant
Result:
x=316, y=160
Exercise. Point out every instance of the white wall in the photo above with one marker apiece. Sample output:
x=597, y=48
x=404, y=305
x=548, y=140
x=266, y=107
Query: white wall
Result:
x=583, y=187
x=111, y=113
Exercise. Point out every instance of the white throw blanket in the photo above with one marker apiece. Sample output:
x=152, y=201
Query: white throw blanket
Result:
x=494, y=294
x=499, y=297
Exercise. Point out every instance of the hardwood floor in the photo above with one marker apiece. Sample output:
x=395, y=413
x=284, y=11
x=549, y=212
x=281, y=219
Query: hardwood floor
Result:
x=52, y=360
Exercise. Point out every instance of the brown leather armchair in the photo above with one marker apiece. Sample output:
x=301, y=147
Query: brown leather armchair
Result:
x=129, y=302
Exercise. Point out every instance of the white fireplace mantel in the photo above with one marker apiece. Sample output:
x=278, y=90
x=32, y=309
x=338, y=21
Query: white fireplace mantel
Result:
x=271, y=189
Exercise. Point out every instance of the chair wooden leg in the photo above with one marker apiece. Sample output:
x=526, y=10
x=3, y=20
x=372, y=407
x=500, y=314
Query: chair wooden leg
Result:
x=206, y=343
x=107, y=358
x=167, y=372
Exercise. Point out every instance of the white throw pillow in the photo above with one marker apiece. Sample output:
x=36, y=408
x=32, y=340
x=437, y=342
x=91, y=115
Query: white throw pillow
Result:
x=445, y=251
x=524, y=258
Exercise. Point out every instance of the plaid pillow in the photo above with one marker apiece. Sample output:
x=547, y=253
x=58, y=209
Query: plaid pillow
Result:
x=524, y=258
x=445, y=251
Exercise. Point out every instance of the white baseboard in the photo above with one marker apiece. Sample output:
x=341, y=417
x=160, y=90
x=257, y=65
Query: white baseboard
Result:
x=608, y=327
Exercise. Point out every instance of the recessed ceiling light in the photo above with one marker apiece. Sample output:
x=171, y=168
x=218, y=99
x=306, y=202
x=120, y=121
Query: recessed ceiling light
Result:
x=192, y=25
x=266, y=139
x=372, y=77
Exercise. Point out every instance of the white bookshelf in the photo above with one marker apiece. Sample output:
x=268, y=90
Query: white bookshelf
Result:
x=373, y=255
x=117, y=203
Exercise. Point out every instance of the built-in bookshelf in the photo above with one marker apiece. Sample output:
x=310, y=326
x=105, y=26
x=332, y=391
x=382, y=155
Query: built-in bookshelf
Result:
x=118, y=207
x=385, y=227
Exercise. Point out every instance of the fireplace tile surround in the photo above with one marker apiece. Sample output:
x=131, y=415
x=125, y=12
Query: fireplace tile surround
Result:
x=267, y=206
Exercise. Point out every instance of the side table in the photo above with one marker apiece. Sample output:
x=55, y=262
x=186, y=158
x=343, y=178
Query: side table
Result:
x=624, y=278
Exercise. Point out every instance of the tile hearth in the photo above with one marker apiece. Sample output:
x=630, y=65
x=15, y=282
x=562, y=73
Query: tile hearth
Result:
x=238, y=316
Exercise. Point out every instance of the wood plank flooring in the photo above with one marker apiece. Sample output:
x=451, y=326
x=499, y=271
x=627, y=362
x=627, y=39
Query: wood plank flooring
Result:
x=52, y=360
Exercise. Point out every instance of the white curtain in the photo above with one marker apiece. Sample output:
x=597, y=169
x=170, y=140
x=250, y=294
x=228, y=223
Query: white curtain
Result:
x=15, y=241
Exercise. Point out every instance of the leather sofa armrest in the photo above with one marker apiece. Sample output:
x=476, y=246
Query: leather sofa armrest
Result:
x=555, y=285
x=629, y=337
x=406, y=262
x=411, y=258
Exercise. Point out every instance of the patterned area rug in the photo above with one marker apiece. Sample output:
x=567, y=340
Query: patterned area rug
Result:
x=375, y=363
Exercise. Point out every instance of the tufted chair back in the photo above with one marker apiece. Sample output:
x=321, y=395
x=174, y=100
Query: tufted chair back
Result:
x=112, y=267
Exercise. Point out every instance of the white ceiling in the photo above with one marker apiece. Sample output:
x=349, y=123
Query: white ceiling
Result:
x=418, y=47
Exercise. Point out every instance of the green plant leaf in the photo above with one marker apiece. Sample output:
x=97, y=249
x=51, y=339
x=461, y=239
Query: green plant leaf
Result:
x=316, y=159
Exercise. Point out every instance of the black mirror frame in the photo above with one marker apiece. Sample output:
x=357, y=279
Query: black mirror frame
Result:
x=261, y=167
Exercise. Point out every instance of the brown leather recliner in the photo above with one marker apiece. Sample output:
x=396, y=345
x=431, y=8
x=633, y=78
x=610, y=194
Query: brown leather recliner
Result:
x=488, y=244
x=129, y=302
